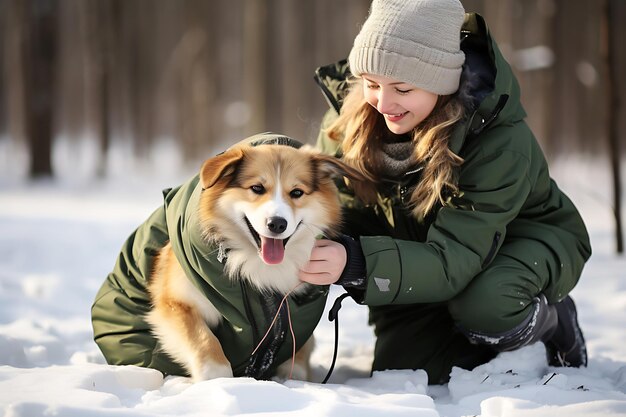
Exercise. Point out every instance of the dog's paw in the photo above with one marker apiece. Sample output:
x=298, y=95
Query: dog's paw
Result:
x=299, y=372
x=212, y=371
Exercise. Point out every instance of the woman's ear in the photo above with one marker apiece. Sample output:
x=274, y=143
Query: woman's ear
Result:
x=220, y=166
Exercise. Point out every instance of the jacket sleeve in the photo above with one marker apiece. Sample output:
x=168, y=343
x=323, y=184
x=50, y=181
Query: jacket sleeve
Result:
x=461, y=241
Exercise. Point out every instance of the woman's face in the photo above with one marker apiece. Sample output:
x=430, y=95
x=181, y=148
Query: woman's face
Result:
x=403, y=105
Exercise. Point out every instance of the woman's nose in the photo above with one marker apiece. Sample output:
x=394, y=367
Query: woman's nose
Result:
x=384, y=102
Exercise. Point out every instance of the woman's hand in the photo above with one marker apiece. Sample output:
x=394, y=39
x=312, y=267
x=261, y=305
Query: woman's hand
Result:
x=328, y=259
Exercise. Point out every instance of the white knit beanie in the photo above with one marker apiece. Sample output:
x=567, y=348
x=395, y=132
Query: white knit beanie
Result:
x=413, y=41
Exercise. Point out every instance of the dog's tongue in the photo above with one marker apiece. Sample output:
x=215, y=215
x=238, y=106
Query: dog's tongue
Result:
x=272, y=250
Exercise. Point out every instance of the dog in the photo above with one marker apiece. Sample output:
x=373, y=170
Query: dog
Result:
x=266, y=205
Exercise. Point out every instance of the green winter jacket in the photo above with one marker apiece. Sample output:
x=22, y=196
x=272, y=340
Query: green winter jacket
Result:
x=506, y=195
x=121, y=331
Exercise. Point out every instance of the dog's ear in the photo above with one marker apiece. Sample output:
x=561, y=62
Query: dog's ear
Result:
x=362, y=184
x=334, y=167
x=220, y=166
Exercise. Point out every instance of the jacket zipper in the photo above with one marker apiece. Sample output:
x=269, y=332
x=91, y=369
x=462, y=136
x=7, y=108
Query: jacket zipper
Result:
x=407, y=183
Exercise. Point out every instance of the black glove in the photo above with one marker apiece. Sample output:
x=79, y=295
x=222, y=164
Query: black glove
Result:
x=353, y=275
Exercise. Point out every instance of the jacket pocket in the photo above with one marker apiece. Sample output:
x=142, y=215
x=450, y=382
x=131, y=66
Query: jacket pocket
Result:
x=493, y=250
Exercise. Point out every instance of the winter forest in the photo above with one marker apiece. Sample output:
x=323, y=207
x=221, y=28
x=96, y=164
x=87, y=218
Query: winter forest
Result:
x=104, y=103
x=89, y=76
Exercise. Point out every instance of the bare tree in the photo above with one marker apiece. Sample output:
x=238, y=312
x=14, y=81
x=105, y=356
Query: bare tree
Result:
x=39, y=61
x=256, y=28
x=99, y=17
x=613, y=107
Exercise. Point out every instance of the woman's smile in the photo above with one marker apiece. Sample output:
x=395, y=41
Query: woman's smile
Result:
x=395, y=117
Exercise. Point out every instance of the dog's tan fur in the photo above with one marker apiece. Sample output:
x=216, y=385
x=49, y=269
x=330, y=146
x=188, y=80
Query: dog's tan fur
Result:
x=181, y=316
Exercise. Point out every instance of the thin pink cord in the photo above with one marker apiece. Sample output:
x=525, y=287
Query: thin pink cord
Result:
x=293, y=336
x=293, y=344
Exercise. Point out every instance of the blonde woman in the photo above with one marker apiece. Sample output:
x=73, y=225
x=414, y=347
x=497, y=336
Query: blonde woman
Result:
x=462, y=245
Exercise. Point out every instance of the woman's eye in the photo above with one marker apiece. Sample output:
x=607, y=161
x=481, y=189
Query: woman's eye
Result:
x=258, y=189
x=403, y=91
x=372, y=86
x=296, y=193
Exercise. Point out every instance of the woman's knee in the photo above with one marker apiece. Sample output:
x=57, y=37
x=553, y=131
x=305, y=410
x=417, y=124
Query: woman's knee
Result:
x=497, y=300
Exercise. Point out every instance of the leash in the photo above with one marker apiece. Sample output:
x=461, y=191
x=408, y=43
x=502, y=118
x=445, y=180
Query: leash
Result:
x=262, y=358
x=333, y=315
x=293, y=336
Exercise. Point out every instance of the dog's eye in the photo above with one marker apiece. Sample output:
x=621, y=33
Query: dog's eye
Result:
x=296, y=193
x=258, y=189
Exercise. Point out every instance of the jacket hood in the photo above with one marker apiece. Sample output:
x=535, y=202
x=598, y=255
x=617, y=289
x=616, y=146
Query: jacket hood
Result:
x=489, y=88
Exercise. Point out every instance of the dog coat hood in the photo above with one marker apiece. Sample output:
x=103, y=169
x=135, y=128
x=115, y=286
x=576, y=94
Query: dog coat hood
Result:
x=124, y=336
x=269, y=138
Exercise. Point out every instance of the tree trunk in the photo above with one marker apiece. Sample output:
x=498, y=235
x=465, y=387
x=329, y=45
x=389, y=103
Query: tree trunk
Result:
x=255, y=51
x=39, y=61
x=100, y=14
x=613, y=101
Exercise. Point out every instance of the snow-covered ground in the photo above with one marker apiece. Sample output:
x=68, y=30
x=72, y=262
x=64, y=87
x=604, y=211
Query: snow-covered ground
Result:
x=58, y=241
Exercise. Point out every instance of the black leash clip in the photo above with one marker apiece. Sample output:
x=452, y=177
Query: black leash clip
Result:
x=333, y=315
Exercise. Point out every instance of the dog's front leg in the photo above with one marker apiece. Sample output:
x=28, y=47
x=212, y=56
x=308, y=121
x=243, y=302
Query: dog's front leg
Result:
x=301, y=364
x=185, y=336
x=179, y=318
x=208, y=360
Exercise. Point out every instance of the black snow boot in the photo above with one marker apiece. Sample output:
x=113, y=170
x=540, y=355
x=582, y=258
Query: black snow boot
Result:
x=554, y=325
x=566, y=345
x=541, y=321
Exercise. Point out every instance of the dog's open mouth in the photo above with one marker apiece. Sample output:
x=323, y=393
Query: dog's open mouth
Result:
x=272, y=251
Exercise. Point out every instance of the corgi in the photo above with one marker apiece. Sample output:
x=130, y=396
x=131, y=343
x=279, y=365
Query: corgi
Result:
x=266, y=205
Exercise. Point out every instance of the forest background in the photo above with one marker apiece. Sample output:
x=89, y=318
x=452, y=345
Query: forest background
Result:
x=111, y=80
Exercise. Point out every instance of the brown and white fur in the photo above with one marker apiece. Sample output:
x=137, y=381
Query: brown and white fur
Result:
x=267, y=205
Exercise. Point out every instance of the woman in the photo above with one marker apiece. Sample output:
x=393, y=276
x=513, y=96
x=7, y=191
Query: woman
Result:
x=463, y=244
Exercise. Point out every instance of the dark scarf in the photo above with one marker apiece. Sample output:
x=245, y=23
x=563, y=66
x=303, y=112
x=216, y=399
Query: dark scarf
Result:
x=397, y=158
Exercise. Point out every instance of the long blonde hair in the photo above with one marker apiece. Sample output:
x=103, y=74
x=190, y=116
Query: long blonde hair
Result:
x=361, y=129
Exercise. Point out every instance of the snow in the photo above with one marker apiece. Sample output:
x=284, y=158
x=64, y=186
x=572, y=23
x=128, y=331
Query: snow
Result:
x=59, y=239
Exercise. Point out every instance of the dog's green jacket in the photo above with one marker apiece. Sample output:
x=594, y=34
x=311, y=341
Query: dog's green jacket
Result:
x=124, y=336
x=509, y=210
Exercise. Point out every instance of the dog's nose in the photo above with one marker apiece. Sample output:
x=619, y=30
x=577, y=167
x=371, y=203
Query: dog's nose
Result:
x=276, y=224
